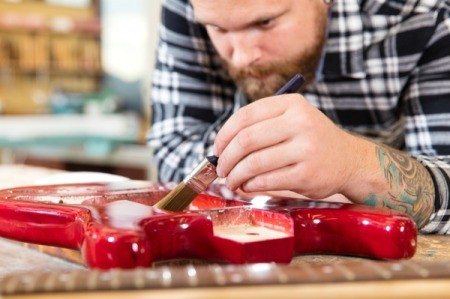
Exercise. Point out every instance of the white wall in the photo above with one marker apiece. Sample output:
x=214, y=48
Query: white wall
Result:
x=129, y=36
x=154, y=17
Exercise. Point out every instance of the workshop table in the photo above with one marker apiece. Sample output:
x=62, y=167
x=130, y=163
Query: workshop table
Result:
x=19, y=262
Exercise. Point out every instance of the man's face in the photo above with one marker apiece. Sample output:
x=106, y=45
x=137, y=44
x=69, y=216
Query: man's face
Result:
x=264, y=43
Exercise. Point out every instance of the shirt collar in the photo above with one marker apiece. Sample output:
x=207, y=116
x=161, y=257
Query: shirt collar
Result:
x=344, y=45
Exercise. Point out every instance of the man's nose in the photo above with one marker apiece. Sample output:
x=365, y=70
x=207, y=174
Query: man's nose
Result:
x=245, y=50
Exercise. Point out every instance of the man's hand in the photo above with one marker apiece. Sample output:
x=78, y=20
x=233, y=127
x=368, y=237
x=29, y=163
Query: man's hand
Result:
x=284, y=143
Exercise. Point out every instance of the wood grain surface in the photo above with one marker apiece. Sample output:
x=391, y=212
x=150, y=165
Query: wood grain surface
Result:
x=367, y=290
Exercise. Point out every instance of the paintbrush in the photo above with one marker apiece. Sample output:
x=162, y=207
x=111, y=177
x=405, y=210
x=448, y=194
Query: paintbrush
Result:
x=205, y=173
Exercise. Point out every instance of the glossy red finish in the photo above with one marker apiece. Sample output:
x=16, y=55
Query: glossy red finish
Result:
x=37, y=223
x=115, y=226
x=364, y=233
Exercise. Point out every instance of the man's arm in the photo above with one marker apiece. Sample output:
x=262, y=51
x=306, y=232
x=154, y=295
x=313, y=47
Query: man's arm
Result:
x=191, y=94
x=317, y=159
x=411, y=188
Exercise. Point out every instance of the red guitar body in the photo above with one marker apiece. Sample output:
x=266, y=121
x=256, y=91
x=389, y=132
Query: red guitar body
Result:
x=115, y=226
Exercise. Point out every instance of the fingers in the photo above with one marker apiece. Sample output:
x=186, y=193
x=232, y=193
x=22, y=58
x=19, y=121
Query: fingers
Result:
x=260, y=162
x=249, y=115
x=278, y=179
x=251, y=139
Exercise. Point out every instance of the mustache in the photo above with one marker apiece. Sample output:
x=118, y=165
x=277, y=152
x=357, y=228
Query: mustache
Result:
x=252, y=71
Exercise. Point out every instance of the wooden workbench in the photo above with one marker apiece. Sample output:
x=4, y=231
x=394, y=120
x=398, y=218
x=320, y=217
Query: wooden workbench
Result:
x=20, y=264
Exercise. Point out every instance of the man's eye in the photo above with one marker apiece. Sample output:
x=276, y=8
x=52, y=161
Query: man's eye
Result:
x=266, y=23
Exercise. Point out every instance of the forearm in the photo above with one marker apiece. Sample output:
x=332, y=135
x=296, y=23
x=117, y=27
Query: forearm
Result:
x=397, y=181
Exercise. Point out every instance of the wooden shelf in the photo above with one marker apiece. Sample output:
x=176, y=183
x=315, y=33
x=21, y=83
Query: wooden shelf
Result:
x=44, y=46
x=42, y=8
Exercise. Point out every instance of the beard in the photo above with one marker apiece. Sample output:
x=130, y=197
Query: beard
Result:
x=273, y=75
x=264, y=80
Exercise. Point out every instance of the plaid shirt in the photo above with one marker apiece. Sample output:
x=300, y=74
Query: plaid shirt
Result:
x=385, y=75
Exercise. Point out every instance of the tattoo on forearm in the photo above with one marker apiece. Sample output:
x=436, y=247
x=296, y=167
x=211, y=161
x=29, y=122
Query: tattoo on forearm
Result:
x=412, y=189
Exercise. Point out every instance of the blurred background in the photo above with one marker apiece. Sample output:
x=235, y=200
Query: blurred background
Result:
x=74, y=84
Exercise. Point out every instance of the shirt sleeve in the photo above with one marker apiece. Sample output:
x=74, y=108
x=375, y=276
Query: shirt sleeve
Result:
x=427, y=116
x=191, y=95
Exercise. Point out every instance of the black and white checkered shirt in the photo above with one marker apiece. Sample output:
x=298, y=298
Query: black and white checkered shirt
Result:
x=385, y=75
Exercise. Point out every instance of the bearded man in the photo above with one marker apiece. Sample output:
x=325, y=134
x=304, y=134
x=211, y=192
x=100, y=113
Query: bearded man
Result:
x=371, y=124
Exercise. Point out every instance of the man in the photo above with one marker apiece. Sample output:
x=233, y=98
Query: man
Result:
x=372, y=123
